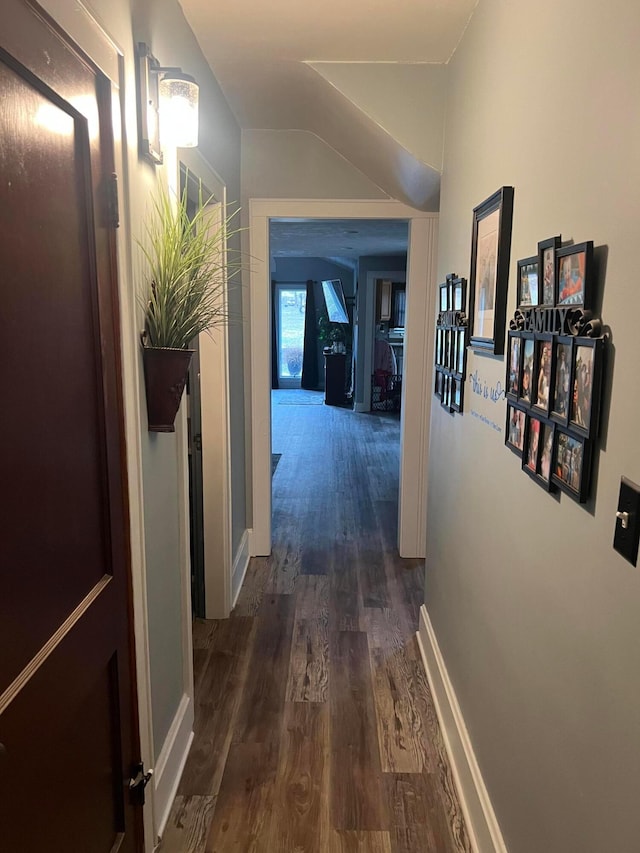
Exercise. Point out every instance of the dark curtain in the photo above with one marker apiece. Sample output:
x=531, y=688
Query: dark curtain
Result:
x=310, y=371
x=274, y=338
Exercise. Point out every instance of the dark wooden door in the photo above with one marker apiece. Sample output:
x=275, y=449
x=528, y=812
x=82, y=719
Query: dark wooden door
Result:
x=67, y=700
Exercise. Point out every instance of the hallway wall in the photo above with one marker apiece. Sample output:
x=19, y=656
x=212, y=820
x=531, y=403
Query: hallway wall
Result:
x=536, y=615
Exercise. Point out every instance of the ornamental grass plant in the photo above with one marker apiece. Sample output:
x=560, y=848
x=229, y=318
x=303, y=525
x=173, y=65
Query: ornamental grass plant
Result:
x=189, y=268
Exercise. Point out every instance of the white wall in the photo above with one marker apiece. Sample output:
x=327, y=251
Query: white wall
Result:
x=536, y=615
x=406, y=100
x=298, y=164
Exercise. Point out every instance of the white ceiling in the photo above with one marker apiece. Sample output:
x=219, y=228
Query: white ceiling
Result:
x=341, y=239
x=255, y=44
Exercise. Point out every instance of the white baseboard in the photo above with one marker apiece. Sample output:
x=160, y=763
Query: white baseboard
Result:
x=240, y=565
x=361, y=407
x=482, y=825
x=170, y=763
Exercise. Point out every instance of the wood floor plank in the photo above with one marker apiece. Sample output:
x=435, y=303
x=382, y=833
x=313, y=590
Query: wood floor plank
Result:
x=312, y=598
x=300, y=812
x=241, y=819
x=255, y=582
x=344, y=608
x=309, y=667
x=357, y=797
x=420, y=822
x=342, y=841
x=188, y=824
x=259, y=715
x=401, y=732
x=285, y=563
x=217, y=699
x=371, y=573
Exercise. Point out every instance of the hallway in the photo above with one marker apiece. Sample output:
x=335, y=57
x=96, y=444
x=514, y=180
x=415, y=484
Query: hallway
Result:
x=314, y=728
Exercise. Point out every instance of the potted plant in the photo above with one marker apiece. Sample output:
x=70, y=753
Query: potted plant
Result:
x=183, y=295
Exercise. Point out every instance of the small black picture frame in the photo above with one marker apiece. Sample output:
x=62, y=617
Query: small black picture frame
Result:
x=542, y=379
x=444, y=290
x=537, y=456
x=562, y=384
x=528, y=283
x=514, y=366
x=515, y=429
x=586, y=376
x=531, y=449
x=438, y=383
x=547, y=270
x=571, y=470
x=574, y=271
x=460, y=366
x=527, y=369
x=459, y=294
x=445, y=400
x=457, y=392
x=489, y=279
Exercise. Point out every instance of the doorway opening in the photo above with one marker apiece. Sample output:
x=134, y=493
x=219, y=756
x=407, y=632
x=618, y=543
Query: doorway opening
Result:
x=418, y=343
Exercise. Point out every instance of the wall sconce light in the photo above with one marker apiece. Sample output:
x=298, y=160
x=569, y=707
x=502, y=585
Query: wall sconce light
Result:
x=168, y=106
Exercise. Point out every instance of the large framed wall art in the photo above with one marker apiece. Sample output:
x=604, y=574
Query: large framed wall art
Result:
x=489, y=280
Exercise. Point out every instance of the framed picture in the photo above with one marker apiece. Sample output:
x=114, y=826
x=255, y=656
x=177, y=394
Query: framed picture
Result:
x=444, y=297
x=572, y=465
x=456, y=393
x=459, y=295
x=526, y=368
x=438, y=356
x=543, y=476
x=561, y=393
x=514, y=352
x=543, y=372
x=445, y=400
x=538, y=451
x=586, y=375
x=453, y=350
x=461, y=351
x=446, y=344
x=531, y=449
x=438, y=384
x=490, y=251
x=573, y=275
x=514, y=432
x=547, y=270
x=528, y=296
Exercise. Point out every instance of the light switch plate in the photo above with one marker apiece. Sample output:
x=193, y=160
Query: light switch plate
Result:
x=625, y=539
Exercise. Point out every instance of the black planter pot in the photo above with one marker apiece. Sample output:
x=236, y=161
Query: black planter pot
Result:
x=165, y=375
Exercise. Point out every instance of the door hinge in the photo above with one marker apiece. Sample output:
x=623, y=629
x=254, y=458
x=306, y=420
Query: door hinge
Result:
x=114, y=208
x=137, y=783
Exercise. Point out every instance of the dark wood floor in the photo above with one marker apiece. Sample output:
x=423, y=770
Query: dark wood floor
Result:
x=315, y=730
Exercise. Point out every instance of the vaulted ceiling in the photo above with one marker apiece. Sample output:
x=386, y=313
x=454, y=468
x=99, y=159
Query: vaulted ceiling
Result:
x=286, y=64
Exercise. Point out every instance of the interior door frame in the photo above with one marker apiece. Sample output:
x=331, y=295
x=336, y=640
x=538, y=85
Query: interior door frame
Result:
x=419, y=337
x=216, y=429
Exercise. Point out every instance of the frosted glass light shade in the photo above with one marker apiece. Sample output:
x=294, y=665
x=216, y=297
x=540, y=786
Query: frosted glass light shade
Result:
x=178, y=95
